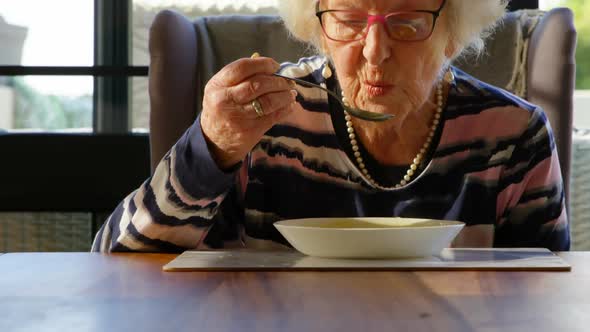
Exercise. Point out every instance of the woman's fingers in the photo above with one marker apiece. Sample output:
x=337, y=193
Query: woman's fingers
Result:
x=256, y=86
x=269, y=103
x=244, y=68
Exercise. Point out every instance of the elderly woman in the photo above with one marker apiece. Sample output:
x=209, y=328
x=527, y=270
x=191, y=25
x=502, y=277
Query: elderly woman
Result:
x=263, y=149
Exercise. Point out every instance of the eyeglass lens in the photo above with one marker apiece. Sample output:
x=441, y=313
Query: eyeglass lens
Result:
x=348, y=25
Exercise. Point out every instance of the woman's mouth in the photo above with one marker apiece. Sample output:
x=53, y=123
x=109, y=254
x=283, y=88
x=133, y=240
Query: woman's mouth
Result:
x=376, y=89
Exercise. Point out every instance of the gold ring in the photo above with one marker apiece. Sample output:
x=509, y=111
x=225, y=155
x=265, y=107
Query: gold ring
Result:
x=257, y=108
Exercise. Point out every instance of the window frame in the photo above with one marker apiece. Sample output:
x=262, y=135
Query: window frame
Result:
x=111, y=69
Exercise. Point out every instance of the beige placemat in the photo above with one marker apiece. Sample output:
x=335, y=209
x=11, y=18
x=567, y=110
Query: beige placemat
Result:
x=525, y=259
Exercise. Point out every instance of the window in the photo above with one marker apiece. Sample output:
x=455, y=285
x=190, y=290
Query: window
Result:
x=32, y=38
x=76, y=67
x=43, y=34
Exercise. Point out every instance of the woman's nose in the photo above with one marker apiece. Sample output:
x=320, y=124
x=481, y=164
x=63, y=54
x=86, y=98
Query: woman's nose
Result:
x=376, y=45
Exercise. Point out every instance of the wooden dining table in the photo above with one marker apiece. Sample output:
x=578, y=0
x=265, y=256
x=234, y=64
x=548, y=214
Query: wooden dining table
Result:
x=131, y=292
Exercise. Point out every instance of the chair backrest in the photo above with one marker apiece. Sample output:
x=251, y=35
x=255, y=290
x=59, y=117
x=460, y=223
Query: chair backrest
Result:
x=531, y=54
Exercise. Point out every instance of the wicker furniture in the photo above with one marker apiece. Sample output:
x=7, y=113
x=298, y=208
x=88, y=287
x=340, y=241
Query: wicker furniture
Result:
x=580, y=191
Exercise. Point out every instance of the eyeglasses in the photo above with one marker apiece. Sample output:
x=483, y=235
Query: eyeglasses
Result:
x=350, y=25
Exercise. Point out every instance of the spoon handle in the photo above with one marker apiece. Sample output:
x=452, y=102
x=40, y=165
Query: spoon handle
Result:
x=308, y=84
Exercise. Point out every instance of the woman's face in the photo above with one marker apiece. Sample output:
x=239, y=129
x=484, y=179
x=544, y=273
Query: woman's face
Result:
x=381, y=74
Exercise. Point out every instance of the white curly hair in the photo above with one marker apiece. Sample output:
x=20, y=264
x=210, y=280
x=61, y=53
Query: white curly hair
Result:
x=472, y=21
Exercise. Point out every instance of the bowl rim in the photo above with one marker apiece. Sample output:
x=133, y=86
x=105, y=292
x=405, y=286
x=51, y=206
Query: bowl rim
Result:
x=446, y=224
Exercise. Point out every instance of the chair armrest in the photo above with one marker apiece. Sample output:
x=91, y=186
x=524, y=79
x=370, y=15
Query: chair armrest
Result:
x=172, y=80
x=551, y=78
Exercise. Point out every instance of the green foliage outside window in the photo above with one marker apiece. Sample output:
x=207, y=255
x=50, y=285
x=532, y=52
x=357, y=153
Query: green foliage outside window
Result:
x=49, y=112
x=581, y=9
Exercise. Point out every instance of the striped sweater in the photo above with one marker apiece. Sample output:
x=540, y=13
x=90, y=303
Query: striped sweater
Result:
x=493, y=166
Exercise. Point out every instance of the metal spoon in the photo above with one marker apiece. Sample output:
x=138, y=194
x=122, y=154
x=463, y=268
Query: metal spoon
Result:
x=358, y=113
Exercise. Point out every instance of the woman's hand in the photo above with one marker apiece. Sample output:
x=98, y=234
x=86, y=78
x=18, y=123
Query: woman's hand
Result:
x=230, y=121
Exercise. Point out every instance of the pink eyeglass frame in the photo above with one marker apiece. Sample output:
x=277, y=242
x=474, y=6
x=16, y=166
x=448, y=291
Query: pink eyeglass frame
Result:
x=371, y=19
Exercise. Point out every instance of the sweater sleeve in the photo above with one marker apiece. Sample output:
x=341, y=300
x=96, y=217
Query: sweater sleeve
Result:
x=174, y=208
x=531, y=208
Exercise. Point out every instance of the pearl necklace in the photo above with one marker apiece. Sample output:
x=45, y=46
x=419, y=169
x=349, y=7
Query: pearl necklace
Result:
x=419, y=157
